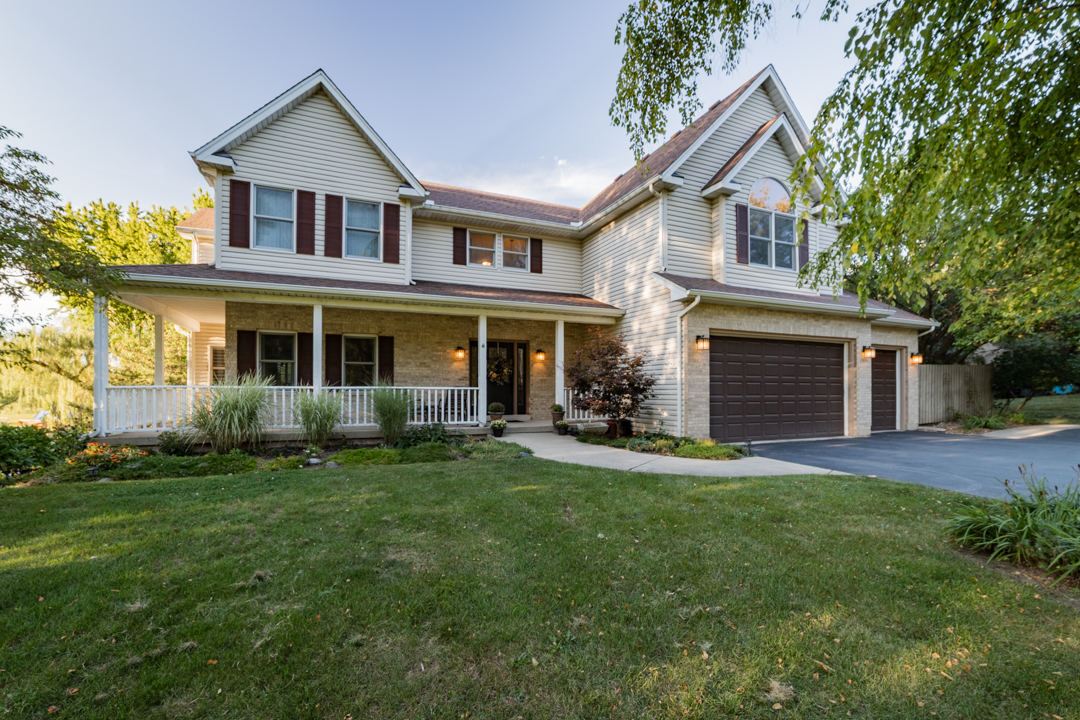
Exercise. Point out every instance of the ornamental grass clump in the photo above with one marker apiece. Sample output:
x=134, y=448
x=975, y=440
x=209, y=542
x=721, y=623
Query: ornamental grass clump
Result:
x=318, y=413
x=392, y=407
x=230, y=416
x=1040, y=527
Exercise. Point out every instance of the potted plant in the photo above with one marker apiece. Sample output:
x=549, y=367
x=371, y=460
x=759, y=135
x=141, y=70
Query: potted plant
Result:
x=557, y=414
x=562, y=427
x=497, y=427
x=496, y=410
x=609, y=380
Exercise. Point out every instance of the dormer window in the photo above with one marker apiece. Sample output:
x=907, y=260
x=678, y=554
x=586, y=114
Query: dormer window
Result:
x=273, y=218
x=772, y=225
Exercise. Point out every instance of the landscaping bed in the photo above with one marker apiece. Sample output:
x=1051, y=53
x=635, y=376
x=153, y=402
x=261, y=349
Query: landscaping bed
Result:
x=662, y=444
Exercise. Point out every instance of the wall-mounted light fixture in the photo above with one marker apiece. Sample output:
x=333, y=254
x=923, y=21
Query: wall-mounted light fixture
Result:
x=916, y=359
x=702, y=342
x=869, y=352
x=540, y=356
x=460, y=353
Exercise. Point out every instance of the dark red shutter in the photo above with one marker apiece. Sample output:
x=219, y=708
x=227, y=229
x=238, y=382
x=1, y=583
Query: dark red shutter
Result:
x=305, y=222
x=804, y=246
x=247, y=352
x=391, y=233
x=460, y=239
x=304, y=364
x=332, y=370
x=386, y=359
x=742, y=234
x=536, y=255
x=332, y=226
x=239, y=213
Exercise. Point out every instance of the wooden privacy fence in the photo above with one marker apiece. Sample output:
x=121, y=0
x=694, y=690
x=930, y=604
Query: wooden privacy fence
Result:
x=945, y=390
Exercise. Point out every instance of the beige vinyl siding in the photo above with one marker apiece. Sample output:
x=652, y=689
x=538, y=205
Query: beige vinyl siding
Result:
x=433, y=259
x=209, y=335
x=312, y=147
x=618, y=263
x=203, y=252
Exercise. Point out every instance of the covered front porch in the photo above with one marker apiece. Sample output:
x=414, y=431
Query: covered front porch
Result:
x=438, y=353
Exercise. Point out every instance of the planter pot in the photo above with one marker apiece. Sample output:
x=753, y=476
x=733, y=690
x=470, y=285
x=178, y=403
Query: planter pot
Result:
x=613, y=429
x=557, y=416
x=561, y=430
x=495, y=416
x=497, y=432
x=626, y=427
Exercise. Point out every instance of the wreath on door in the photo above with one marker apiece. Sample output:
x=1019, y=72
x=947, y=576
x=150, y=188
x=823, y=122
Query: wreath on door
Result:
x=499, y=370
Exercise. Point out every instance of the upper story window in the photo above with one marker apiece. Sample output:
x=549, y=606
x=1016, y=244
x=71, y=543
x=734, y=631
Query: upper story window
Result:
x=481, y=248
x=515, y=253
x=359, y=355
x=273, y=218
x=362, y=229
x=772, y=225
x=277, y=357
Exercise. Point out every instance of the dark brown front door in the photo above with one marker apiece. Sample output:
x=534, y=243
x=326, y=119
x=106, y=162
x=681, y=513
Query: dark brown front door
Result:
x=883, y=390
x=507, y=363
x=775, y=389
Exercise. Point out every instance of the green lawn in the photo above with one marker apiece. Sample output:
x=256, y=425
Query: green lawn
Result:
x=514, y=588
x=1055, y=409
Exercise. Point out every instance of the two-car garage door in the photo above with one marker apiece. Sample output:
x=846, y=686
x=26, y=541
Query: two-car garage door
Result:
x=765, y=389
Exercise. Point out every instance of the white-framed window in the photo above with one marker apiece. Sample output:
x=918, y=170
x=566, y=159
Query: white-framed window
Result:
x=217, y=364
x=481, y=248
x=359, y=360
x=363, y=230
x=515, y=253
x=277, y=357
x=272, y=215
x=773, y=235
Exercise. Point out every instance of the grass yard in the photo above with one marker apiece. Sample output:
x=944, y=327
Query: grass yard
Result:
x=1056, y=409
x=515, y=589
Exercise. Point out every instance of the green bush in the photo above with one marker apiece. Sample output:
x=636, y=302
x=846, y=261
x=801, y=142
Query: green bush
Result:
x=494, y=450
x=427, y=452
x=230, y=416
x=176, y=442
x=23, y=448
x=392, y=408
x=980, y=422
x=318, y=414
x=367, y=456
x=710, y=451
x=432, y=432
x=126, y=463
x=285, y=462
x=1037, y=527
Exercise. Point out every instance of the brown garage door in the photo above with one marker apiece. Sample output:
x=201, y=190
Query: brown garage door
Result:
x=775, y=389
x=883, y=390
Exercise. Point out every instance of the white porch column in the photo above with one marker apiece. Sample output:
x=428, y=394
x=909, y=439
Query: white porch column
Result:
x=481, y=368
x=316, y=347
x=159, y=351
x=560, y=356
x=101, y=364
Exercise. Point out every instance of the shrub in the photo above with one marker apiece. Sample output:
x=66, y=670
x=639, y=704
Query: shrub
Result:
x=979, y=422
x=556, y=408
x=710, y=451
x=367, y=456
x=392, y=408
x=1040, y=527
x=129, y=463
x=432, y=432
x=285, y=462
x=176, y=442
x=318, y=414
x=427, y=453
x=496, y=407
x=230, y=416
x=607, y=379
x=23, y=448
x=494, y=450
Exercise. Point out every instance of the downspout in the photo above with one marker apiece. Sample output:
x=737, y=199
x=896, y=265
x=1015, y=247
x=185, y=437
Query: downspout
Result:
x=663, y=225
x=680, y=428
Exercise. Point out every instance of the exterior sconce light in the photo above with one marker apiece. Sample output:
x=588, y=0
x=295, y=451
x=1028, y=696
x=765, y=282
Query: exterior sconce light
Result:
x=916, y=359
x=869, y=352
x=460, y=353
x=540, y=356
x=702, y=342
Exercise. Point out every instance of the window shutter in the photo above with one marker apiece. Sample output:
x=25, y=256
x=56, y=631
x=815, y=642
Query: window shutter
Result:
x=239, y=213
x=305, y=222
x=742, y=234
x=804, y=246
x=536, y=255
x=386, y=359
x=332, y=226
x=460, y=239
x=247, y=353
x=391, y=233
x=304, y=365
x=332, y=361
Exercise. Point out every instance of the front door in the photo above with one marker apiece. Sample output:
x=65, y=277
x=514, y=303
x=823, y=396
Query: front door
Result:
x=507, y=369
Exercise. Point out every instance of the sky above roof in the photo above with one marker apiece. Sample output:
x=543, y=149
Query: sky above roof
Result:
x=504, y=97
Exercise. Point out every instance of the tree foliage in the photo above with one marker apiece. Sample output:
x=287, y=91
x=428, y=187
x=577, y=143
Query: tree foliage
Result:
x=1034, y=365
x=49, y=368
x=958, y=126
x=607, y=379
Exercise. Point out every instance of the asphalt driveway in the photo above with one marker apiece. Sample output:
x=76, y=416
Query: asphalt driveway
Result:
x=971, y=464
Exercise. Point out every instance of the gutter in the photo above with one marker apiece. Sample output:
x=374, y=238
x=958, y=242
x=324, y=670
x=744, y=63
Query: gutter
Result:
x=785, y=304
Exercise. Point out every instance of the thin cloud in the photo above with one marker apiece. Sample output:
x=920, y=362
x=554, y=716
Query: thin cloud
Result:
x=555, y=180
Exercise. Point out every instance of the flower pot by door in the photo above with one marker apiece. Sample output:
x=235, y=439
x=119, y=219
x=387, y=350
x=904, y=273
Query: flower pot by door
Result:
x=497, y=432
x=557, y=416
x=562, y=430
x=495, y=416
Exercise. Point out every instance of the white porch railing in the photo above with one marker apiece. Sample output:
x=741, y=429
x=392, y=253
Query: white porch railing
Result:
x=574, y=414
x=155, y=407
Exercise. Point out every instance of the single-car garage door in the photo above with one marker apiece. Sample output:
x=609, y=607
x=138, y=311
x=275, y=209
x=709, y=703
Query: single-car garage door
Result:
x=762, y=389
x=883, y=390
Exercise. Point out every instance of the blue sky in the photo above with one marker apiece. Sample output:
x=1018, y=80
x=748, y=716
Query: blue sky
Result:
x=503, y=96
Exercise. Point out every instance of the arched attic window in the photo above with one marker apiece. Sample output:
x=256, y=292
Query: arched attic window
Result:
x=772, y=225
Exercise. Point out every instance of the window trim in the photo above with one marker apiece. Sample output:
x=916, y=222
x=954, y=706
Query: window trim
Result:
x=496, y=249
x=259, y=355
x=502, y=252
x=345, y=337
x=750, y=238
x=345, y=229
x=254, y=218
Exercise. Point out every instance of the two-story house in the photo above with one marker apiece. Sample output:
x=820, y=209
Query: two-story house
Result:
x=326, y=263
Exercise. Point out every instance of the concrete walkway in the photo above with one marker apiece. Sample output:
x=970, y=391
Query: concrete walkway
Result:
x=566, y=449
